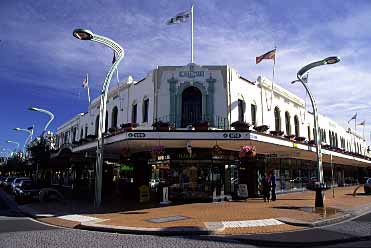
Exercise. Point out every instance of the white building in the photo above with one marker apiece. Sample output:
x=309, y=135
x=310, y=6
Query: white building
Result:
x=186, y=95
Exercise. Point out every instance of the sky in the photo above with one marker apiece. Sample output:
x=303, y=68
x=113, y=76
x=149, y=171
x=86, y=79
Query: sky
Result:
x=43, y=65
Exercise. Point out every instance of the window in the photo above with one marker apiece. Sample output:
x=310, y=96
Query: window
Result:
x=277, y=119
x=96, y=125
x=114, y=117
x=106, y=123
x=145, y=110
x=288, y=125
x=86, y=131
x=297, y=127
x=241, y=110
x=253, y=114
x=81, y=133
x=309, y=138
x=73, y=134
x=134, y=114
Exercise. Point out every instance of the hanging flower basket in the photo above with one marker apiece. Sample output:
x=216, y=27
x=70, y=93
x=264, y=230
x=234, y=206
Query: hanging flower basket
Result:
x=247, y=152
x=240, y=125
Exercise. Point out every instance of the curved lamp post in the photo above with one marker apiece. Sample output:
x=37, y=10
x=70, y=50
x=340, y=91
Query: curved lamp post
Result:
x=29, y=137
x=10, y=141
x=45, y=112
x=83, y=34
x=326, y=61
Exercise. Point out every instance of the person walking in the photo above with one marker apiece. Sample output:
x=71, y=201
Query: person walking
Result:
x=266, y=187
x=273, y=185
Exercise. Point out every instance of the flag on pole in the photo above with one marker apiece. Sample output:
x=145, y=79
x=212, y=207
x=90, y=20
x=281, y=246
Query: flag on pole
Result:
x=85, y=83
x=179, y=18
x=363, y=123
x=269, y=55
x=353, y=118
x=114, y=58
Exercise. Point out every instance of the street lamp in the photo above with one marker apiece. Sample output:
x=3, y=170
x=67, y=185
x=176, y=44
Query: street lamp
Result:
x=83, y=34
x=326, y=61
x=29, y=137
x=10, y=141
x=46, y=112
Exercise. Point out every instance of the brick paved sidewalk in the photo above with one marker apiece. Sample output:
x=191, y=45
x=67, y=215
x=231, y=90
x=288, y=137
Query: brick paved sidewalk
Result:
x=197, y=215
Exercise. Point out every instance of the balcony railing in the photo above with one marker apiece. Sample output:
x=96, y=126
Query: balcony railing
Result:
x=218, y=122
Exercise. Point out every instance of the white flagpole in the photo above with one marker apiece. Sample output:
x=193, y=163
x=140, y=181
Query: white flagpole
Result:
x=87, y=80
x=192, y=59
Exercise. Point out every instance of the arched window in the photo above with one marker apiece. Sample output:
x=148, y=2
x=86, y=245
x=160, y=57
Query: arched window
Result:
x=288, y=124
x=114, y=117
x=297, y=126
x=277, y=119
x=253, y=114
x=96, y=125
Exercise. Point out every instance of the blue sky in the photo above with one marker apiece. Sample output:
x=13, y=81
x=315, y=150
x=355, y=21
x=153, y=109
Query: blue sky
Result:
x=43, y=65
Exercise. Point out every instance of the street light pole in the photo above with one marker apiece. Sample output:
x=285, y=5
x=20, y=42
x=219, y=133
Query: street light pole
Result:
x=83, y=34
x=29, y=137
x=45, y=112
x=13, y=142
x=319, y=189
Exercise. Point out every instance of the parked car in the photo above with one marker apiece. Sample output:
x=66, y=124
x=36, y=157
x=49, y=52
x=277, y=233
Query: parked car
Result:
x=7, y=183
x=16, y=182
x=367, y=186
x=2, y=180
x=26, y=191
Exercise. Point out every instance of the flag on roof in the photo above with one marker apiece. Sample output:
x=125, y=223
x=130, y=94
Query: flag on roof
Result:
x=362, y=123
x=353, y=118
x=269, y=55
x=114, y=58
x=85, y=83
x=179, y=18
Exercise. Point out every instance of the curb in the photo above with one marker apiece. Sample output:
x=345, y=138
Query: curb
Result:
x=171, y=231
x=295, y=222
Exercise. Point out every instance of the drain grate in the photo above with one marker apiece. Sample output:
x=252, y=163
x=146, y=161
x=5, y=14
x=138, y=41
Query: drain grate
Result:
x=168, y=219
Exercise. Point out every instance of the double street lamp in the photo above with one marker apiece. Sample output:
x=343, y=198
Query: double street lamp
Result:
x=326, y=61
x=13, y=142
x=83, y=34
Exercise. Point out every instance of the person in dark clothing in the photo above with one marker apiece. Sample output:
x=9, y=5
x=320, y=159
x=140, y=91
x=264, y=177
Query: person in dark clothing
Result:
x=273, y=185
x=266, y=188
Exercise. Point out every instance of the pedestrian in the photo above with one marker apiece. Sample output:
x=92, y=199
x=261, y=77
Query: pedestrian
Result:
x=266, y=187
x=273, y=185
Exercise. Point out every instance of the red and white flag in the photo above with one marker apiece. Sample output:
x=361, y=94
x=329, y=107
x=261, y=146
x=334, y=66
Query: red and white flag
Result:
x=268, y=55
x=85, y=83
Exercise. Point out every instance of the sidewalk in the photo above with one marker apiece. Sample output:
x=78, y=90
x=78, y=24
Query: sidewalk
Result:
x=291, y=211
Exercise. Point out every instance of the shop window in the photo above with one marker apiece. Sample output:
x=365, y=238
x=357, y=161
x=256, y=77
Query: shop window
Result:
x=241, y=110
x=277, y=119
x=145, y=110
x=134, y=113
x=253, y=114
x=114, y=117
x=297, y=126
x=288, y=125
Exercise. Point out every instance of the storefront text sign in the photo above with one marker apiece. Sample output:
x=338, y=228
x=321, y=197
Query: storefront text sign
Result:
x=136, y=135
x=191, y=74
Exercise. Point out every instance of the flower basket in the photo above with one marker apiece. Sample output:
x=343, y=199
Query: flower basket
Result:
x=311, y=142
x=300, y=139
x=290, y=137
x=276, y=133
x=261, y=129
x=201, y=126
x=240, y=125
x=129, y=126
x=247, y=152
x=161, y=126
x=112, y=129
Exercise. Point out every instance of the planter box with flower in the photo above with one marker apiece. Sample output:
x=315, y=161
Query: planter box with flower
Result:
x=300, y=139
x=129, y=126
x=240, y=125
x=201, y=126
x=276, y=133
x=161, y=126
x=261, y=129
x=247, y=152
x=290, y=137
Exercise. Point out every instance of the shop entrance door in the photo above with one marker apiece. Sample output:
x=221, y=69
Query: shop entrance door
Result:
x=191, y=106
x=230, y=179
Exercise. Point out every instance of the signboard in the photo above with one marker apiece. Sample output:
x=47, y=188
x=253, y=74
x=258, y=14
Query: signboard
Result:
x=143, y=193
x=125, y=167
x=191, y=74
x=242, y=191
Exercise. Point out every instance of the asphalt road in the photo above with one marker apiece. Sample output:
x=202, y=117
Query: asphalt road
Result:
x=19, y=231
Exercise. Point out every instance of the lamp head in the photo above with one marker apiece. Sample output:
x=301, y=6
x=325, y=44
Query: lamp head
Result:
x=16, y=129
x=82, y=34
x=331, y=60
x=33, y=109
